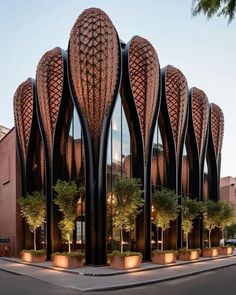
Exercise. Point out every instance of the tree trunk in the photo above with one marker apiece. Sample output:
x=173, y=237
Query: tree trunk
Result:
x=186, y=237
x=157, y=237
x=209, y=238
x=69, y=245
x=162, y=239
x=34, y=239
x=121, y=240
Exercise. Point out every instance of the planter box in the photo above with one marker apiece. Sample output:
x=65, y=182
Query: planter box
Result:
x=125, y=262
x=189, y=255
x=67, y=261
x=163, y=258
x=210, y=252
x=226, y=250
x=29, y=257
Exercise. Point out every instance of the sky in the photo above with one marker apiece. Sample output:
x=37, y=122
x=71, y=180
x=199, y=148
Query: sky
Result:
x=204, y=50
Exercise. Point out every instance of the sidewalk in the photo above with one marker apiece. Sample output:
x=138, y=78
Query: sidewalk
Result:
x=105, y=278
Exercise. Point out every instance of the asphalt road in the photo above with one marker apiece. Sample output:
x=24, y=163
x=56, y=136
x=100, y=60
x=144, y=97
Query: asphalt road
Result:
x=219, y=282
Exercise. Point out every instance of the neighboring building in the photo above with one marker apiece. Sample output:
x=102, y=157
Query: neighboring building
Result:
x=10, y=220
x=228, y=192
x=3, y=131
x=98, y=121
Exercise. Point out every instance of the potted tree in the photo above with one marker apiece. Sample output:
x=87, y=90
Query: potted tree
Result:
x=166, y=209
x=66, y=199
x=127, y=205
x=211, y=215
x=191, y=209
x=226, y=219
x=33, y=210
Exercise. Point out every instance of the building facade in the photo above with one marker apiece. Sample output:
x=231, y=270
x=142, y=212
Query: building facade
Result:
x=102, y=110
x=228, y=192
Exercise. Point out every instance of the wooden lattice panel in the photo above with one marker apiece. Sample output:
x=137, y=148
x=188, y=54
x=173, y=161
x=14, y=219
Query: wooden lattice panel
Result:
x=176, y=88
x=78, y=155
x=144, y=71
x=49, y=79
x=217, y=128
x=94, y=65
x=200, y=114
x=23, y=113
x=185, y=175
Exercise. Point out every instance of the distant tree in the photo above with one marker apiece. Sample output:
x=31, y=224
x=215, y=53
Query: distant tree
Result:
x=66, y=199
x=231, y=230
x=165, y=203
x=226, y=217
x=33, y=209
x=191, y=209
x=227, y=8
x=127, y=205
x=211, y=216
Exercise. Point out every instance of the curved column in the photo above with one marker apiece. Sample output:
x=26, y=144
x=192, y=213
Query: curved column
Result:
x=196, y=147
x=140, y=97
x=173, y=119
x=52, y=110
x=26, y=130
x=95, y=70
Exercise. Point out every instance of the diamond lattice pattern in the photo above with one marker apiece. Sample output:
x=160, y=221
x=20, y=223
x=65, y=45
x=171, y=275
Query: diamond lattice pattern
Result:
x=23, y=113
x=217, y=128
x=94, y=66
x=144, y=81
x=200, y=112
x=49, y=78
x=176, y=99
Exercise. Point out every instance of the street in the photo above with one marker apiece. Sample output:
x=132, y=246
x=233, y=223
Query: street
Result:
x=219, y=282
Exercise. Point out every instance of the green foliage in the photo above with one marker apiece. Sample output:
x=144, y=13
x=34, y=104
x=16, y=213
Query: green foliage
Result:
x=33, y=209
x=165, y=203
x=211, y=215
x=71, y=254
x=127, y=204
x=34, y=252
x=185, y=250
x=164, y=252
x=191, y=209
x=231, y=230
x=227, y=8
x=226, y=216
x=226, y=247
x=126, y=254
x=67, y=198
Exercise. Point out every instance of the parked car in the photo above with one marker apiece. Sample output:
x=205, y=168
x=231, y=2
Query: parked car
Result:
x=231, y=242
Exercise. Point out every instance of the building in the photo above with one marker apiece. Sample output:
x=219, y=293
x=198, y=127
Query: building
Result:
x=104, y=109
x=11, y=234
x=228, y=192
x=3, y=131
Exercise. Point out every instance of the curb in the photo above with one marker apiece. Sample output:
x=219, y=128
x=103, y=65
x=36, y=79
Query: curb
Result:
x=157, y=281
x=118, y=272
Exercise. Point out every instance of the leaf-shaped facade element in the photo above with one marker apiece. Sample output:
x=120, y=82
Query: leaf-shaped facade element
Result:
x=23, y=113
x=94, y=65
x=200, y=115
x=49, y=81
x=144, y=73
x=217, y=128
x=176, y=94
